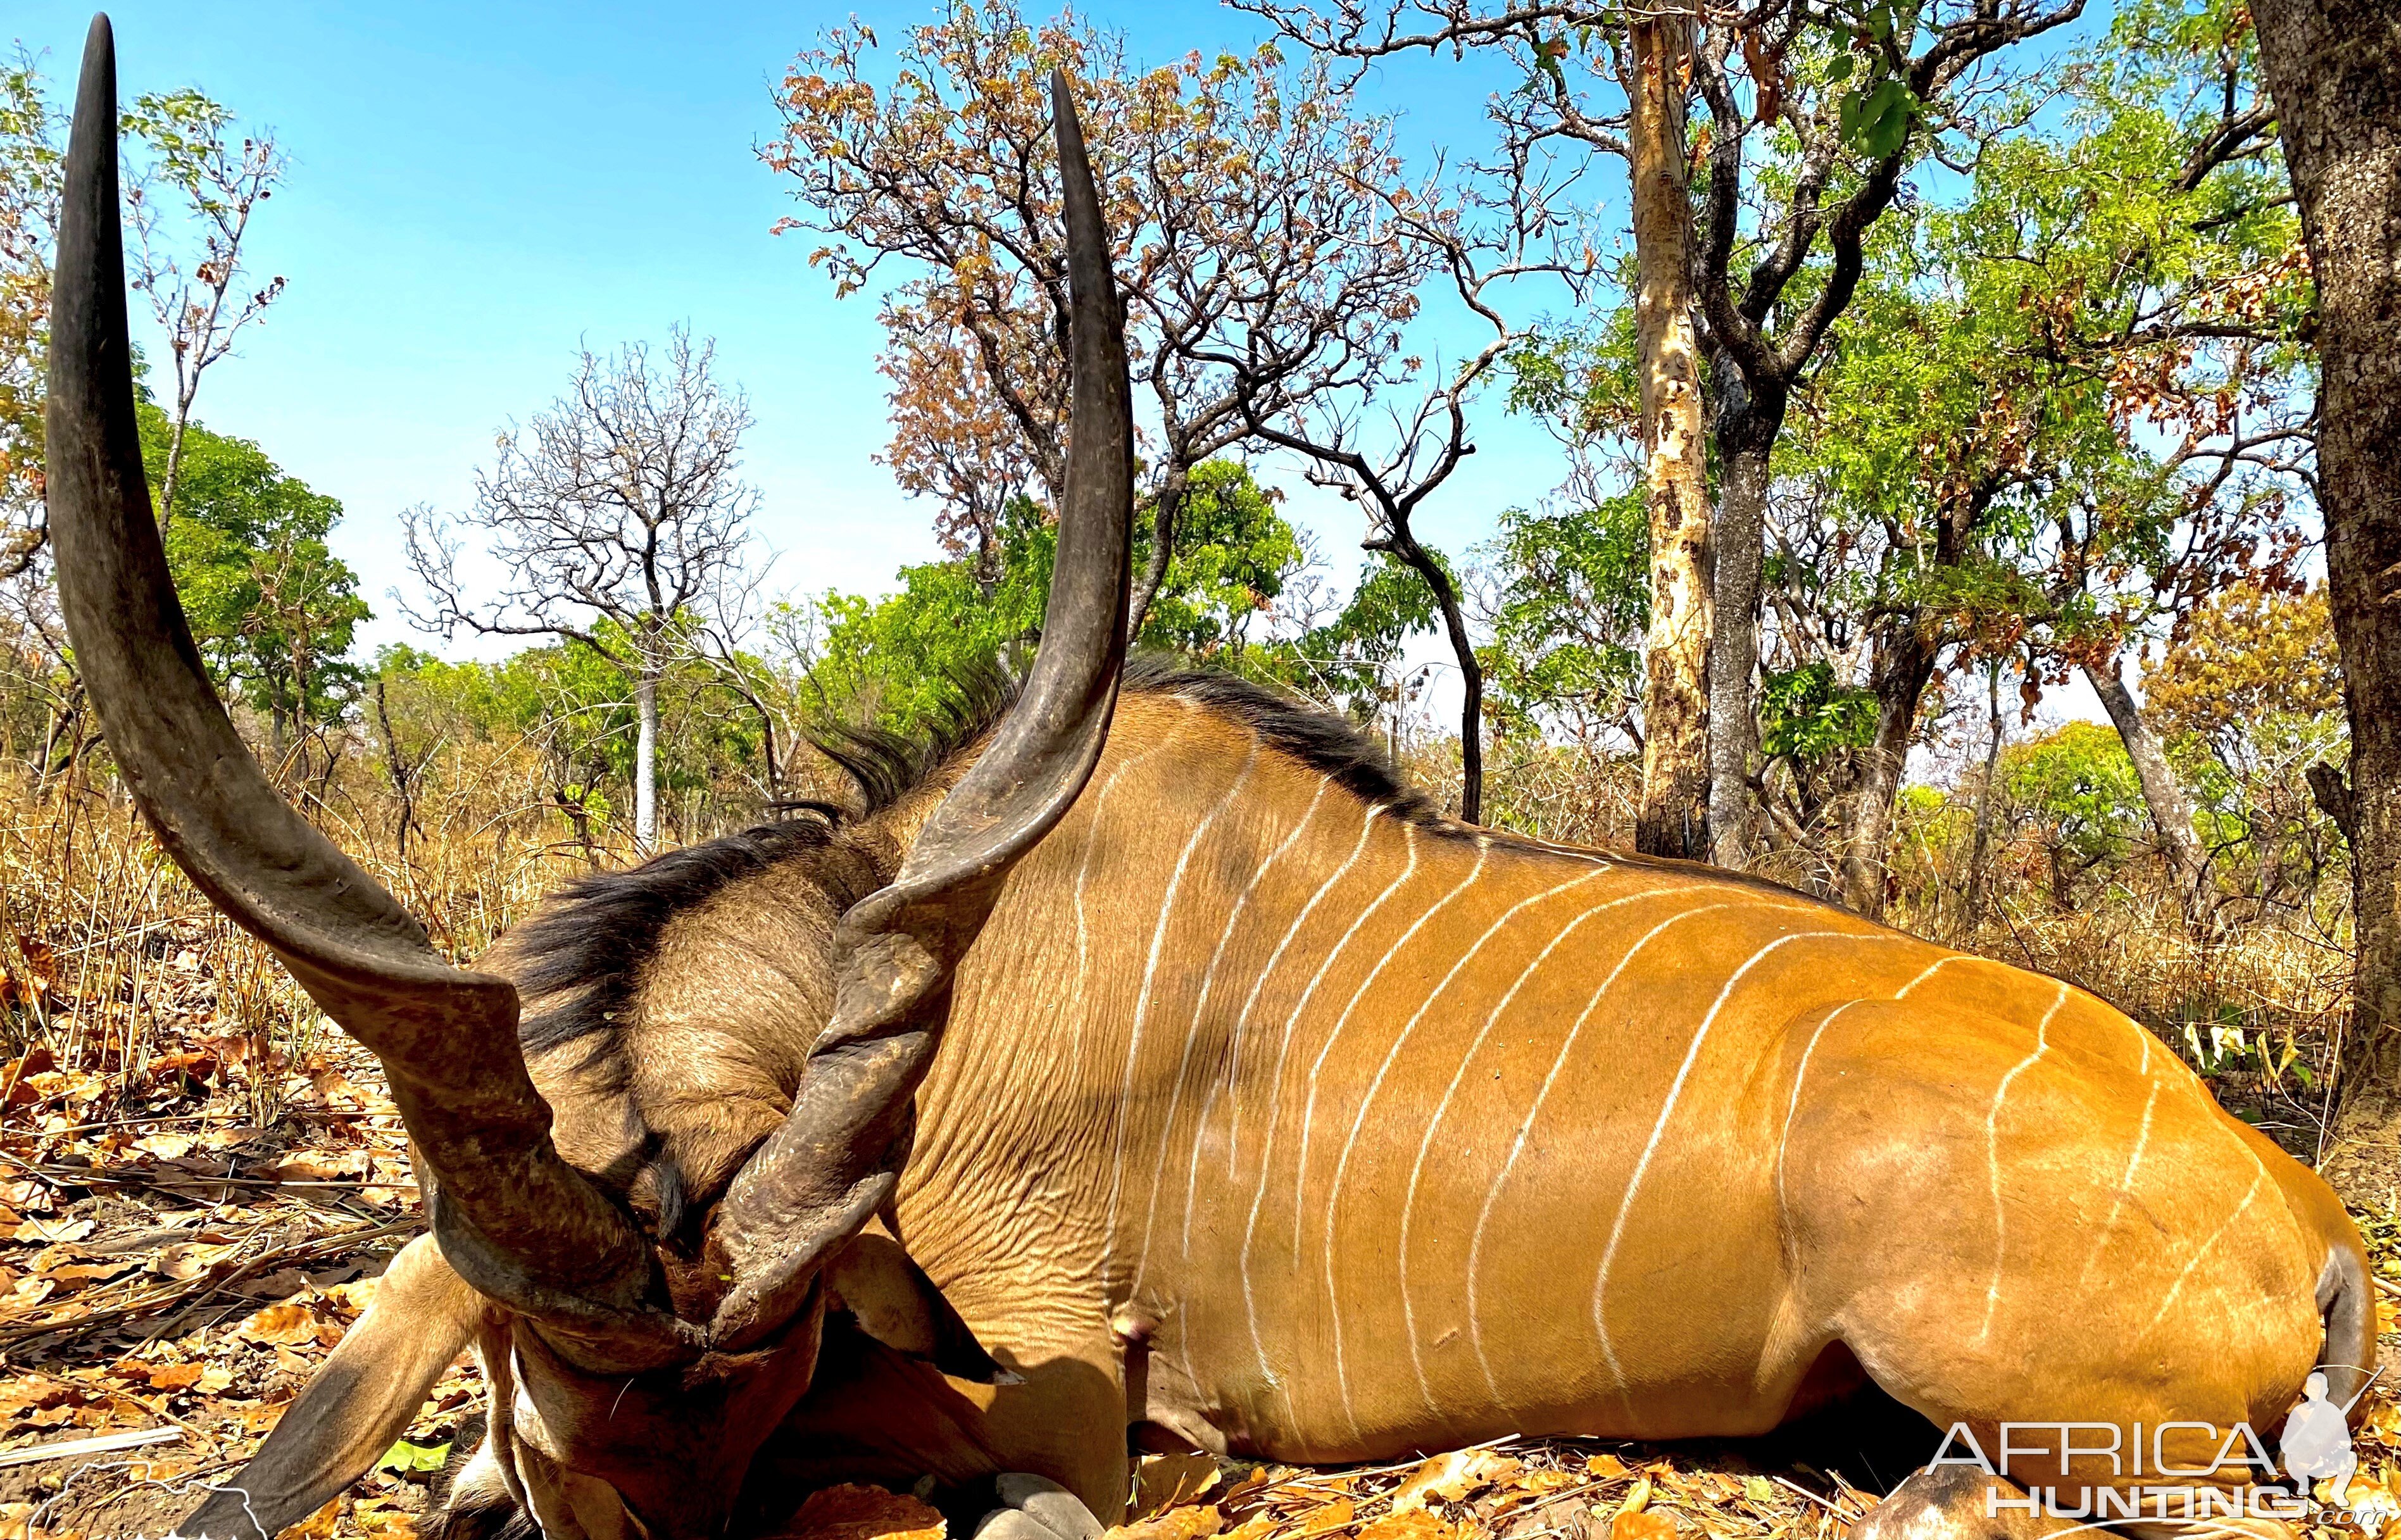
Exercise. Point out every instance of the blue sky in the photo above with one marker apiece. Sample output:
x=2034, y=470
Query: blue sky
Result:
x=476, y=190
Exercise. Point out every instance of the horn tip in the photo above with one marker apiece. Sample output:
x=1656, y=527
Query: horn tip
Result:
x=99, y=64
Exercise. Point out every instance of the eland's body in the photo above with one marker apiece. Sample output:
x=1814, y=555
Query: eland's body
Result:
x=1338, y=1129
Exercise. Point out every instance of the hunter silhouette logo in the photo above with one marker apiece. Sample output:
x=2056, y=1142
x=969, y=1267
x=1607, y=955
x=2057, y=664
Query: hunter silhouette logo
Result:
x=2317, y=1439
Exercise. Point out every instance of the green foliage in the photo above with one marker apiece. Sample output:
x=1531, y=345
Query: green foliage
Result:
x=1567, y=624
x=895, y=660
x=572, y=706
x=1350, y=660
x=2078, y=781
x=1234, y=553
x=1804, y=714
x=271, y=608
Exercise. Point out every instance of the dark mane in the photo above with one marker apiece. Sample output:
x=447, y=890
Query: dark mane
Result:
x=886, y=766
x=1330, y=745
x=588, y=946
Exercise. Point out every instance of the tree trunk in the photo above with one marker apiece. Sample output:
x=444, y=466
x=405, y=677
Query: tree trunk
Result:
x=1904, y=664
x=1673, y=819
x=167, y=484
x=1980, y=854
x=1736, y=540
x=1165, y=505
x=645, y=762
x=1402, y=543
x=2163, y=795
x=2334, y=67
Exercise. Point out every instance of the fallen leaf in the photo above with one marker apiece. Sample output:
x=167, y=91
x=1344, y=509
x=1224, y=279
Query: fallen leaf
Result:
x=281, y=1283
x=1327, y=1516
x=177, y=1376
x=319, y=1525
x=1165, y=1481
x=1644, y=1525
x=54, y=1231
x=1416, y=1524
x=1452, y=1477
x=169, y=1147
x=1603, y=1467
x=862, y=1513
x=404, y=1457
x=186, y=1260
x=282, y=1325
x=1189, y=1523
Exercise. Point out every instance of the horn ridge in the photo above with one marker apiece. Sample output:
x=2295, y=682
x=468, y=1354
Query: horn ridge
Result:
x=837, y=1157
x=514, y=1219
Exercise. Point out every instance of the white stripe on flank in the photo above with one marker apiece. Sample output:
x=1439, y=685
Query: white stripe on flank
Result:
x=1938, y=966
x=2177, y=1288
x=1083, y=870
x=1243, y=1020
x=1666, y=1110
x=1142, y=1015
x=1801, y=1073
x=1308, y=1113
x=2125, y=1186
x=1309, y=1108
x=1483, y=1216
x=1200, y=1005
x=1417, y=1168
x=1275, y=1082
x=1993, y=1156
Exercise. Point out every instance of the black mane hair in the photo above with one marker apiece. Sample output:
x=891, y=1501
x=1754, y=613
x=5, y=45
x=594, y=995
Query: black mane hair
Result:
x=587, y=947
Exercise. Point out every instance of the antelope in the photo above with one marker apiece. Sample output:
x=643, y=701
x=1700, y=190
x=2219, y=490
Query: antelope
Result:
x=1146, y=1054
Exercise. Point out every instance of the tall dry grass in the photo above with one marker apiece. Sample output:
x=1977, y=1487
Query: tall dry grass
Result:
x=112, y=959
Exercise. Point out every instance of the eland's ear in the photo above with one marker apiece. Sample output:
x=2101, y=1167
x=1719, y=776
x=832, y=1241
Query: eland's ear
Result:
x=890, y=1298
x=369, y=1391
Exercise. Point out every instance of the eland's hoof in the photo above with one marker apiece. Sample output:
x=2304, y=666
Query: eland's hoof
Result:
x=1038, y=1508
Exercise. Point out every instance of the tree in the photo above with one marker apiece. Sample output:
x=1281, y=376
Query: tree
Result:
x=1649, y=62
x=1270, y=251
x=1252, y=212
x=271, y=608
x=188, y=183
x=2088, y=804
x=1391, y=473
x=612, y=514
x=200, y=299
x=30, y=165
x=2056, y=415
x=901, y=661
x=1857, y=122
x=1566, y=610
x=2334, y=67
x=2250, y=699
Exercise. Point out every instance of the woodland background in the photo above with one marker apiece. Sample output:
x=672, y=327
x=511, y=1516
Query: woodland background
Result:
x=1956, y=351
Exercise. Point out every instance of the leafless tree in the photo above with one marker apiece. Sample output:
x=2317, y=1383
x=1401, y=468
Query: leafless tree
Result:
x=1498, y=228
x=617, y=519
x=201, y=298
